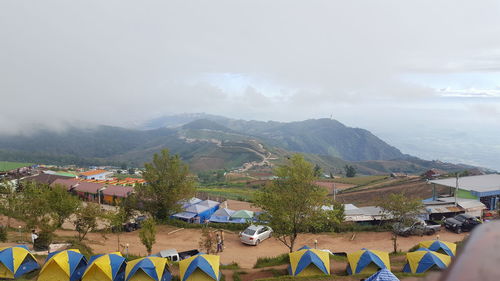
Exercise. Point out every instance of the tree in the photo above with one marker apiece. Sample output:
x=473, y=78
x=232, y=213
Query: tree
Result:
x=148, y=234
x=11, y=200
x=317, y=171
x=168, y=183
x=401, y=209
x=350, y=171
x=62, y=204
x=116, y=221
x=86, y=219
x=35, y=209
x=329, y=219
x=207, y=241
x=292, y=201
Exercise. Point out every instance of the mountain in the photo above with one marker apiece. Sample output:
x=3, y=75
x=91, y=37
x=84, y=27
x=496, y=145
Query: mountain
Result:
x=215, y=142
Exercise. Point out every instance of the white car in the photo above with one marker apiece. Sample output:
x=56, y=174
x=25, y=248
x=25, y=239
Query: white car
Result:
x=255, y=234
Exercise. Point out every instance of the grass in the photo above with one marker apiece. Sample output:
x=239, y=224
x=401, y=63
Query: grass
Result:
x=237, y=275
x=235, y=193
x=364, y=180
x=232, y=265
x=272, y=261
x=8, y=166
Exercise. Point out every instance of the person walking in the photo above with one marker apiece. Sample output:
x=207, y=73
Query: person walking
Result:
x=219, y=243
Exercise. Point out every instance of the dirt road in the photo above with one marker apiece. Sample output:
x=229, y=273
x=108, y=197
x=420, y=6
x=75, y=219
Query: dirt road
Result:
x=246, y=256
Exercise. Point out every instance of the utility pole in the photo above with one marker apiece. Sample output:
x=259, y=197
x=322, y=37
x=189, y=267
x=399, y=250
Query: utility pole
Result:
x=334, y=193
x=456, y=192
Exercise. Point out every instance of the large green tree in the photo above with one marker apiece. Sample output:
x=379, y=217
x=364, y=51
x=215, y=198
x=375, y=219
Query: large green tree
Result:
x=402, y=209
x=86, y=219
x=292, y=203
x=62, y=203
x=168, y=182
x=11, y=200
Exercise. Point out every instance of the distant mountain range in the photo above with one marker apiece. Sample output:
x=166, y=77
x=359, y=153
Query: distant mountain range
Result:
x=213, y=142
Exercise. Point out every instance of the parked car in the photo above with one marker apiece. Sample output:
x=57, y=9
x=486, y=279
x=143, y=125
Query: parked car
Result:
x=461, y=223
x=173, y=255
x=134, y=224
x=255, y=234
x=420, y=227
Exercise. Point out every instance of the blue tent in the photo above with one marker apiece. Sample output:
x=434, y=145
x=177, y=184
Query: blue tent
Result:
x=382, y=275
x=16, y=261
x=222, y=215
x=423, y=259
x=309, y=262
x=365, y=261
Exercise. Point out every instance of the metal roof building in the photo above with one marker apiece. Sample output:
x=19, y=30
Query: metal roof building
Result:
x=485, y=187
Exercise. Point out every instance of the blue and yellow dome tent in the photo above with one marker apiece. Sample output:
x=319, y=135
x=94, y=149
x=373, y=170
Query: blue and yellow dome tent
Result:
x=382, y=275
x=367, y=261
x=148, y=269
x=423, y=259
x=109, y=267
x=309, y=262
x=200, y=267
x=67, y=265
x=16, y=261
x=442, y=247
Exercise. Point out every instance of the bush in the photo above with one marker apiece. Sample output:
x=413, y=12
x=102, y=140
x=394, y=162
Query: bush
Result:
x=43, y=241
x=227, y=226
x=232, y=265
x=237, y=275
x=84, y=249
x=355, y=227
x=272, y=261
x=3, y=234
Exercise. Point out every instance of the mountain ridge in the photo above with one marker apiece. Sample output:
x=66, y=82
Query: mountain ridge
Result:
x=217, y=142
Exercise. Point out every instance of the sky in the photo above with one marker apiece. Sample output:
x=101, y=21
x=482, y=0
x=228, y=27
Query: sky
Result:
x=422, y=75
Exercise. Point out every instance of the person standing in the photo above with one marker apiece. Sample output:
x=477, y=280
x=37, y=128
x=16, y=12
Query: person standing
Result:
x=219, y=243
x=34, y=236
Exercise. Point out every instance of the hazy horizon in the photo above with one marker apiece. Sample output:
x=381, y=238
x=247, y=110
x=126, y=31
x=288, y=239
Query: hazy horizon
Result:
x=423, y=76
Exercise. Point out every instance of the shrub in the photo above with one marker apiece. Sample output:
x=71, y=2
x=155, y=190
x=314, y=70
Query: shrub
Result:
x=3, y=234
x=43, y=241
x=233, y=265
x=227, y=226
x=272, y=261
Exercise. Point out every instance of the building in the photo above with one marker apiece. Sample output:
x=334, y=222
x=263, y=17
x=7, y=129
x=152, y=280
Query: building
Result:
x=432, y=174
x=96, y=175
x=485, y=188
x=113, y=194
x=89, y=191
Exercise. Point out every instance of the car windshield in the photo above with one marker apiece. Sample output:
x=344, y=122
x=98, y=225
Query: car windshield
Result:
x=460, y=218
x=249, y=231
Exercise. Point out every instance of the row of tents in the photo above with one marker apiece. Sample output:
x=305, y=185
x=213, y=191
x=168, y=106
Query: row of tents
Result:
x=430, y=254
x=200, y=211
x=71, y=265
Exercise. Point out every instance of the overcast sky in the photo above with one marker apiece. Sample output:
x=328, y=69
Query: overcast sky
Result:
x=423, y=76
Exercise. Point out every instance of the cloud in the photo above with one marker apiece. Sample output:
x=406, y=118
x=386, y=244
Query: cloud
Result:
x=120, y=62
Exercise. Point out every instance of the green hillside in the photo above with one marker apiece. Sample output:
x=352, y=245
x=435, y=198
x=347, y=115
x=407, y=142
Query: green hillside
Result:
x=8, y=166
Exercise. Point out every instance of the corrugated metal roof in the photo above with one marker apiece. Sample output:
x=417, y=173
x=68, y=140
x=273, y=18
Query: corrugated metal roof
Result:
x=439, y=209
x=482, y=183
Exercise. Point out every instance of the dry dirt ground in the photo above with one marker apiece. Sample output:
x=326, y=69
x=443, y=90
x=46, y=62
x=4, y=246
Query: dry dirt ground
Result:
x=412, y=188
x=246, y=256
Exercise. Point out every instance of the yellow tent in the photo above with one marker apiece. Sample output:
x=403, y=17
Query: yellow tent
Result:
x=367, y=261
x=109, y=267
x=309, y=262
x=16, y=261
x=67, y=265
x=148, y=269
x=200, y=268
